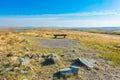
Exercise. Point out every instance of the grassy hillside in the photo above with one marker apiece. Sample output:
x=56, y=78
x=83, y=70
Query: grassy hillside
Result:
x=117, y=32
x=107, y=46
x=102, y=48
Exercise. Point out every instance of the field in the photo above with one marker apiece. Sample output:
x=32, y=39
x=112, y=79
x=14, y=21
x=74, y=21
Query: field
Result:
x=104, y=49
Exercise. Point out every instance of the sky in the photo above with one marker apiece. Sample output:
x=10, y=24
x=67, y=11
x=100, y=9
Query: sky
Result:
x=59, y=13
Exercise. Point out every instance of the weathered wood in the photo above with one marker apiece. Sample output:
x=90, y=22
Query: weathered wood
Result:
x=64, y=35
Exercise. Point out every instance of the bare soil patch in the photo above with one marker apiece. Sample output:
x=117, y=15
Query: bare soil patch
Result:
x=53, y=43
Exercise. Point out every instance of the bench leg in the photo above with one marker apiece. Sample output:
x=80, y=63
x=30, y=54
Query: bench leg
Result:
x=55, y=37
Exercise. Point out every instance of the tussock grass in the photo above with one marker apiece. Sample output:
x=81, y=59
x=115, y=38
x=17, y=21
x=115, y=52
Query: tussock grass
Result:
x=8, y=39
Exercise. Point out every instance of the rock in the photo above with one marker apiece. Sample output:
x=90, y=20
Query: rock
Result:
x=88, y=63
x=53, y=58
x=62, y=55
x=27, y=56
x=9, y=54
x=117, y=77
x=8, y=69
x=29, y=68
x=109, y=47
x=21, y=60
x=33, y=76
x=5, y=79
x=16, y=68
x=70, y=70
x=44, y=55
x=105, y=73
x=36, y=56
x=6, y=65
x=24, y=72
x=118, y=46
x=25, y=79
x=73, y=51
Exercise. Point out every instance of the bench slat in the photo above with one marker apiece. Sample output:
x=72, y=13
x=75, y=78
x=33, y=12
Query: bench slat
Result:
x=60, y=35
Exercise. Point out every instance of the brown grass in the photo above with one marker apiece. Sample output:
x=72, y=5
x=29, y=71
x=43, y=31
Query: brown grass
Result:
x=107, y=46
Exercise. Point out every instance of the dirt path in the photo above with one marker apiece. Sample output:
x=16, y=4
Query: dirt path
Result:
x=53, y=43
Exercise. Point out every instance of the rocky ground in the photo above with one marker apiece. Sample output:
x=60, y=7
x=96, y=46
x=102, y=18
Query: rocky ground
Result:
x=105, y=70
x=68, y=51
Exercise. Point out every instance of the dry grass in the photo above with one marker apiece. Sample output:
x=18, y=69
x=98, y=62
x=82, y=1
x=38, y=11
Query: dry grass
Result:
x=8, y=39
x=108, y=46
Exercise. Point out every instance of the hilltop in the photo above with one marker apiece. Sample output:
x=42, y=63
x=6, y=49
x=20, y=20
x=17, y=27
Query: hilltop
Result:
x=104, y=49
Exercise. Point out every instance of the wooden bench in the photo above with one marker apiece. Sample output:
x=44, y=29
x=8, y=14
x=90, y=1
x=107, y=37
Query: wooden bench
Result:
x=64, y=35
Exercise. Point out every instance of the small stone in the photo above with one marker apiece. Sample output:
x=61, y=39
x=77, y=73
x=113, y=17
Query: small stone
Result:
x=27, y=56
x=37, y=56
x=29, y=68
x=53, y=58
x=25, y=79
x=105, y=73
x=23, y=72
x=21, y=60
x=33, y=76
x=7, y=69
x=9, y=54
x=73, y=51
x=117, y=77
x=16, y=68
x=62, y=55
x=109, y=47
x=118, y=46
x=5, y=79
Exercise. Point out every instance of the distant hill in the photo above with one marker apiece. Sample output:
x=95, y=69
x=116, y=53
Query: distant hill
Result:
x=99, y=28
x=103, y=29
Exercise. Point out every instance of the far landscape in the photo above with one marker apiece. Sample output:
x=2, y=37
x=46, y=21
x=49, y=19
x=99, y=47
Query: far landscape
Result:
x=59, y=39
x=37, y=45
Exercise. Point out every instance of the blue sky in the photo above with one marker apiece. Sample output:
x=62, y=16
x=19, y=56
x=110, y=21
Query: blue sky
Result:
x=61, y=13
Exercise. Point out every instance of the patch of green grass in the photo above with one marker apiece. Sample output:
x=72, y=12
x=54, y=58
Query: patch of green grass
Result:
x=107, y=50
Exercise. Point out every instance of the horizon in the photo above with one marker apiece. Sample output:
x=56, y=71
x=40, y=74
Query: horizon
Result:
x=79, y=13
